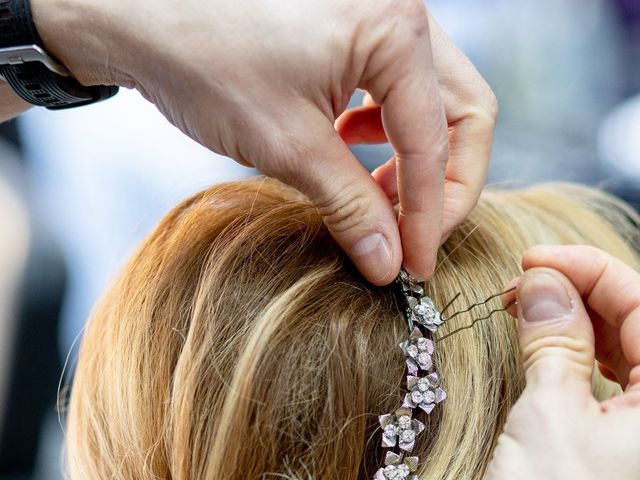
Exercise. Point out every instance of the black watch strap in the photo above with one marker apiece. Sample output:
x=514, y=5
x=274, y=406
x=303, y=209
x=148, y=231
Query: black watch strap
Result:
x=21, y=64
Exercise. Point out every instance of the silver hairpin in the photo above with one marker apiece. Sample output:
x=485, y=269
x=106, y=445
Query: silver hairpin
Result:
x=400, y=429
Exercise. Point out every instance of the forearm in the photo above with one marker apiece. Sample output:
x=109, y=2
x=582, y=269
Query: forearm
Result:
x=11, y=105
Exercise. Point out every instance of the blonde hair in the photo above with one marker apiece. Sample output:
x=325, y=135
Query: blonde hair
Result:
x=240, y=343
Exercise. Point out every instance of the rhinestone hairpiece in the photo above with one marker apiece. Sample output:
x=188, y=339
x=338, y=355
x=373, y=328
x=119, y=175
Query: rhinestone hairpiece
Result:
x=400, y=429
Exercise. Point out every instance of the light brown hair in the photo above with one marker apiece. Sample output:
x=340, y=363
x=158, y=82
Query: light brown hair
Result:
x=240, y=343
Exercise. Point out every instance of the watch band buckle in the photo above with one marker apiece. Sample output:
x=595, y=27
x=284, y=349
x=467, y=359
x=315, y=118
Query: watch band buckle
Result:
x=31, y=53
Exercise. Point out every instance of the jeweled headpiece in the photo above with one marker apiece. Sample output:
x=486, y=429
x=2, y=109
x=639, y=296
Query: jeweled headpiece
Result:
x=400, y=429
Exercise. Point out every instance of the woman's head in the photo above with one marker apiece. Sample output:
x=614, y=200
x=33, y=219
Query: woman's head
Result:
x=239, y=342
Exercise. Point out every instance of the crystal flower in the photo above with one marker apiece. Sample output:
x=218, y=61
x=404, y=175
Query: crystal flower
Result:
x=424, y=392
x=398, y=468
x=400, y=427
x=418, y=351
x=409, y=284
x=423, y=312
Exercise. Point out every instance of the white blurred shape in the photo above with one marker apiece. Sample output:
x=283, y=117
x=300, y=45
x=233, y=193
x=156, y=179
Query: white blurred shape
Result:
x=619, y=141
x=103, y=176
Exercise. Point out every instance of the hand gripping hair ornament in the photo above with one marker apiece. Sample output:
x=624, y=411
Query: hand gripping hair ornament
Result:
x=400, y=429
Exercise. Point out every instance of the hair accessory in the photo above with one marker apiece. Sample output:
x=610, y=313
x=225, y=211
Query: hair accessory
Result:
x=400, y=429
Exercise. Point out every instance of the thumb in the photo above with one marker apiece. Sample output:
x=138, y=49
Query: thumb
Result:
x=555, y=331
x=355, y=209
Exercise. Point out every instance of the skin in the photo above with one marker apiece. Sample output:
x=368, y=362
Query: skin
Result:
x=557, y=429
x=267, y=83
x=10, y=104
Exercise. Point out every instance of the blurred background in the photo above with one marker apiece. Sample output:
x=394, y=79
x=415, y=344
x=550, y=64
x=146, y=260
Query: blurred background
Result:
x=80, y=189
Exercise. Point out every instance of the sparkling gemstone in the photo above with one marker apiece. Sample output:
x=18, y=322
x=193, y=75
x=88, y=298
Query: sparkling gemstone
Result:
x=421, y=309
x=390, y=431
x=430, y=396
x=423, y=344
x=423, y=384
x=428, y=302
x=404, y=471
x=408, y=436
x=424, y=359
x=404, y=422
x=391, y=472
x=417, y=396
x=412, y=351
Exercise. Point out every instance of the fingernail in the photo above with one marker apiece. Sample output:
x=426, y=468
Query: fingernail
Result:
x=426, y=274
x=542, y=298
x=373, y=255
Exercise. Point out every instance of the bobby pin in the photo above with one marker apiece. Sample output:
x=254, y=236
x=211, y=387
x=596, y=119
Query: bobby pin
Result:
x=476, y=320
x=448, y=305
x=471, y=307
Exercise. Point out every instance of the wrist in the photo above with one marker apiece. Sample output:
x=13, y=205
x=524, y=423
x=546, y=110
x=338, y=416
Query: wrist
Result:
x=78, y=34
x=10, y=103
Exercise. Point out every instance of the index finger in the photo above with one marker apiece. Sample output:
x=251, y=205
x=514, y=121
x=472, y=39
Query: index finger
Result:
x=610, y=287
x=415, y=124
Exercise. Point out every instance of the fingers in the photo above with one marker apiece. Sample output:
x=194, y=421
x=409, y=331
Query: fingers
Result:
x=459, y=196
x=362, y=125
x=415, y=124
x=387, y=178
x=355, y=209
x=420, y=159
x=472, y=110
x=555, y=332
x=611, y=289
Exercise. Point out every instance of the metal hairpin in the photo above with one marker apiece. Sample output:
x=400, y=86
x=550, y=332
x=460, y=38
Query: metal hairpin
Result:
x=471, y=307
x=474, y=305
x=400, y=429
x=476, y=320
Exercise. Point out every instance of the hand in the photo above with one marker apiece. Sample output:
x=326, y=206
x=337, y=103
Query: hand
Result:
x=557, y=429
x=264, y=81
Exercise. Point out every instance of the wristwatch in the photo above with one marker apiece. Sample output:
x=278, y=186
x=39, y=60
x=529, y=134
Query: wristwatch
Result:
x=31, y=72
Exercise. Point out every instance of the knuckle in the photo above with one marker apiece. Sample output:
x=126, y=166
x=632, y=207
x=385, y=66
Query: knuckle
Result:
x=428, y=162
x=412, y=21
x=491, y=104
x=394, y=17
x=599, y=262
x=416, y=12
x=485, y=110
x=394, y=40
x=344, y=210
x=545, y=358
x=479, y=100
x=486, y=98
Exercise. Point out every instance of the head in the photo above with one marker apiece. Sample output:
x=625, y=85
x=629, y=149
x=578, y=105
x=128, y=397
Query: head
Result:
x=239, y=342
